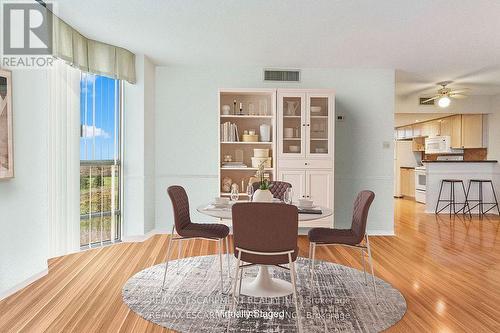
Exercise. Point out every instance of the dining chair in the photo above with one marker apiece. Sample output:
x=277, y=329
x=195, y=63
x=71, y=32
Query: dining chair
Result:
x=189, y=230
x=265, y=234
x=354, y=237
x=278, y=188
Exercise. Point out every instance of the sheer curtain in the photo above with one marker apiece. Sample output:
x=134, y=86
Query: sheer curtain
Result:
x=64, y=159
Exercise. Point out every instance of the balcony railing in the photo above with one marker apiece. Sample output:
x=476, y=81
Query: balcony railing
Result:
x=100, y=216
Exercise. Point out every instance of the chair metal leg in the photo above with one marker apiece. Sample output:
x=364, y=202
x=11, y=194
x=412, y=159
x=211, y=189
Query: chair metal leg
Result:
x=237, y=271
x=371, y=266
x=452, y=196
x=294, y=287
x=228, y=258
x=364, y=264
x=170, y=241
x=467, y=204
x=241, y=280
x=439, y=197
x=313, y=260
x=220, y=266
x=179, y=251
x=495, y=196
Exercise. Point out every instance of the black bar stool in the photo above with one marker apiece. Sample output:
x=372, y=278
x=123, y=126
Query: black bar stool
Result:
x=451, y=201
x=479, y=200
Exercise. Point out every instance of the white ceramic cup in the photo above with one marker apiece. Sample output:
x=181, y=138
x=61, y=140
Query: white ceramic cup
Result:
x=305, y=203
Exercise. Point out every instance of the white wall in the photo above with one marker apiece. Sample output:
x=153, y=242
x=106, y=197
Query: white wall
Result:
x=24, y=199
x=186, y=134
x=138, y=157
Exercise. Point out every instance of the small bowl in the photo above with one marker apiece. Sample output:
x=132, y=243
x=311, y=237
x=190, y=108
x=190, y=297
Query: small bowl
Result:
x=294, y=149
x=305, y=203
x=315, y=109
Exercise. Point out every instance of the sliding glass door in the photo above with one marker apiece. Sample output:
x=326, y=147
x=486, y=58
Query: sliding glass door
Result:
x=100, y=168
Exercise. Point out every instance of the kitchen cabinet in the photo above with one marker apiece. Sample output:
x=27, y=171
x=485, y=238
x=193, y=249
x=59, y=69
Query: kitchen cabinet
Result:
x=305, y=145
x=305, y=124
x=298, y=180
x=417, y=130
x=472, y=131
x=319, y=189
x=431, y=128
x=407, y=180
x=310, y=184
x=452, y=126
x=408, y=132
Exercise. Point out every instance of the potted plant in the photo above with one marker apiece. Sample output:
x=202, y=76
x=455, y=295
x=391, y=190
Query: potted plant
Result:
x=263, y=194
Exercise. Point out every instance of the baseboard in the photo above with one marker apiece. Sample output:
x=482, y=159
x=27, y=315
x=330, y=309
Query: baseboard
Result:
x=380, y=233
x=23, y=284
x=139, y=238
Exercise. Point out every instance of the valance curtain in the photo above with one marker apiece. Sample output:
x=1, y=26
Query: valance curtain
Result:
x=90, y=55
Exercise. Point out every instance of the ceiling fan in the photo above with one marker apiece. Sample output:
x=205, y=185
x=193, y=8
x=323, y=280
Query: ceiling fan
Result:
x=445, y=94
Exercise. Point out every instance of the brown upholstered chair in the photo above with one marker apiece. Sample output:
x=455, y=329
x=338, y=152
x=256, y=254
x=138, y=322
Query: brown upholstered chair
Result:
x=265, y=234
x=355, y=236
x=187, y=229
x=278, y=188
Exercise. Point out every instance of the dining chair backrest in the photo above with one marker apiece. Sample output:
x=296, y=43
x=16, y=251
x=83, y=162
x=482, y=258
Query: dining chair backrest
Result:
x=180, y=205
x=360, y=214
x=265, y=227
x=278, y=188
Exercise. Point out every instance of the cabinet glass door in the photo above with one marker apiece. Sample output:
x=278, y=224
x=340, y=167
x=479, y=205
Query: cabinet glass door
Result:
x=318, y=126
x=292, y=123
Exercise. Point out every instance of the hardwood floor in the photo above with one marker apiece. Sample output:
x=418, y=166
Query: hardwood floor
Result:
x=447, y=269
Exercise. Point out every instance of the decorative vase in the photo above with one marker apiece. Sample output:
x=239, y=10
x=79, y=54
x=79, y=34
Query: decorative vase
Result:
x=265, y=133
x=262, y=196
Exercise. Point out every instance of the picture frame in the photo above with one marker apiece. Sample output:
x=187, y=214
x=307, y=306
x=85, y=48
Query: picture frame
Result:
x=6, y=135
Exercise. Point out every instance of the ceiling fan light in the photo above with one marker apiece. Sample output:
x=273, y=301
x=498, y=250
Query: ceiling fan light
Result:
x=444, y=102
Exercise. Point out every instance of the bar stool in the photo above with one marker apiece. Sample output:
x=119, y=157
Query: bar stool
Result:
x=479, y=200
x=451, y=201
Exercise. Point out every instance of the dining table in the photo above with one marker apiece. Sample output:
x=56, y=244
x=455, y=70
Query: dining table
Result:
x=263, y=285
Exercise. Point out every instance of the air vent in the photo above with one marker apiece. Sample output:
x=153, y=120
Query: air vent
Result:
x=281, y=75
x=421, y=101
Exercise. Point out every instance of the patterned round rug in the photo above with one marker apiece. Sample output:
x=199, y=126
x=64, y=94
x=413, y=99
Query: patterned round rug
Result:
x=338, y=301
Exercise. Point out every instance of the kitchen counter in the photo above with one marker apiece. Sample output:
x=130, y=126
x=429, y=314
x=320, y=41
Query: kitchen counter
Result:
x=462, y=170
x=451, y=161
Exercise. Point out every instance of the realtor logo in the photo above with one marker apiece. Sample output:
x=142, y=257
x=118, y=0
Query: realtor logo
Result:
x=27, y=29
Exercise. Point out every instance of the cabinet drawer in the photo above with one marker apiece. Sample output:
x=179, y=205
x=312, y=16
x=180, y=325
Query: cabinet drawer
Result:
x=305, y=164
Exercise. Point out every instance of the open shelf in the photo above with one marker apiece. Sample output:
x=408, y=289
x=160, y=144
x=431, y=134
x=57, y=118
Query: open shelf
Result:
x=245, y=116
x=246, y=143
x=318, y=139
x=246, y=169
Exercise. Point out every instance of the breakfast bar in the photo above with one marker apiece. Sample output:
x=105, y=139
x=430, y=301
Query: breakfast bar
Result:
x=436, y=171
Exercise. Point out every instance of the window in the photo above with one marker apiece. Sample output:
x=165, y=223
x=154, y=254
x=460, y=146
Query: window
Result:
x=100, y=169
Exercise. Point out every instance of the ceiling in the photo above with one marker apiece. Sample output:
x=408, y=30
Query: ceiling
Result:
x=426, y=40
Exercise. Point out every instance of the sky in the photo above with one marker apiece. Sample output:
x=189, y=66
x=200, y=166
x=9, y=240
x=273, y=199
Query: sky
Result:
x=98, y=114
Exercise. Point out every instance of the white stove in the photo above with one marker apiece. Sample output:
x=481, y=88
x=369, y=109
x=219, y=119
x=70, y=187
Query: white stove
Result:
x=420, y=184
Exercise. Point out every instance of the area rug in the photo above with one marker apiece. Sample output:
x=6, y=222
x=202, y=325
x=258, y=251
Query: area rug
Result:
x=337, y=301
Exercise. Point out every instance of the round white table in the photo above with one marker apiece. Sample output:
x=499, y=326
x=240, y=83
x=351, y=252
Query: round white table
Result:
x=263, y=285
